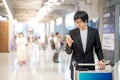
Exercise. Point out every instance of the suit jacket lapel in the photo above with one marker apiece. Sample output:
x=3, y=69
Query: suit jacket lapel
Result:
x=80, y=40
x=89, y=34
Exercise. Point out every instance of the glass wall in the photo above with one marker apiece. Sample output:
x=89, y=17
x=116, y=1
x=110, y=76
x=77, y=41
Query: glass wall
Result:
x=69, y=22
x=31, y=30
x=59, y=24
x=94, y=23
x=51, y=27
x=119, y=45
x=47, y=29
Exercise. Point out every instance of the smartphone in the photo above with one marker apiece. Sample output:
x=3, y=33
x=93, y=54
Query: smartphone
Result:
x=68, y=36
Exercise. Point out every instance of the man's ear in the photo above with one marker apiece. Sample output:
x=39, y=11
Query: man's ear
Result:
x=86, y=21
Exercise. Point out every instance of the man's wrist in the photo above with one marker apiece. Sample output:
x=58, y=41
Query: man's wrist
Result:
x=102, y=60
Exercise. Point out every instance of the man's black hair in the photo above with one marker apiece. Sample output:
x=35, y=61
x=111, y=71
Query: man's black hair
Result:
x=81, y=15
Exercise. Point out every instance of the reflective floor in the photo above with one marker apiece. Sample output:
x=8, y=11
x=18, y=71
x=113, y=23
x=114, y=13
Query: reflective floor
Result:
x=39, y=67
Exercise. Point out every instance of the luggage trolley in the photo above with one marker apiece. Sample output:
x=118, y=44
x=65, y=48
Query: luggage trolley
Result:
x=93, y=74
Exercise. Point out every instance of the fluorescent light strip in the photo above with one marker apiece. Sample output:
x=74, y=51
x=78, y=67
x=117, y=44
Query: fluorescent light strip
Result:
x=7, y=8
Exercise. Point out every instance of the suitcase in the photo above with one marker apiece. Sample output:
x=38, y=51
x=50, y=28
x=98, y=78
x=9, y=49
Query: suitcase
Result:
x=55, y=58
x=91, y=75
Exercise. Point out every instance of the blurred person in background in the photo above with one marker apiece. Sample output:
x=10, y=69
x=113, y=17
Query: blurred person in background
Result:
x=57, y=42
x=51, y=42
x=29, y=48
x=21, y=42
x=50, y=45
x=39, y=42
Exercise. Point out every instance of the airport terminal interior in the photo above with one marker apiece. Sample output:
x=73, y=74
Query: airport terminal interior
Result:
x=38, y=21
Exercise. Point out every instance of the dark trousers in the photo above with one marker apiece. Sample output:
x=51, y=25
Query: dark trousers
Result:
x=55, y=57
x=72, y=76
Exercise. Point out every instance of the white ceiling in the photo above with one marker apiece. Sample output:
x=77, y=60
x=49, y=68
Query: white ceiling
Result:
x=25, y=10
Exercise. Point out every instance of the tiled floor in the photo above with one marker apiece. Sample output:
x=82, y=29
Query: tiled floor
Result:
x=40, y=67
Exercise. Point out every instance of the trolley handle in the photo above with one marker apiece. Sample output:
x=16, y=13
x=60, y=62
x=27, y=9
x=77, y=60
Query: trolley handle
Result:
x=88, y=64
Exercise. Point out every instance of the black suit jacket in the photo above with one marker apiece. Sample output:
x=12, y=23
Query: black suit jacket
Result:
x=78, y=54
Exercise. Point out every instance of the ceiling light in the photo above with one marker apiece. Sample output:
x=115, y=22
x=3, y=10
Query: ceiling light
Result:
x=7, y=8
x=50, y=4
x=52, y=0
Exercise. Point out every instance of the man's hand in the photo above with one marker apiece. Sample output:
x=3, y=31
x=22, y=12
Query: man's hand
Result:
x=101, y=65
x=69, y=41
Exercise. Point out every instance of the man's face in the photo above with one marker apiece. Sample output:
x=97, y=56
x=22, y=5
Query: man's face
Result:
x=79, y=23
